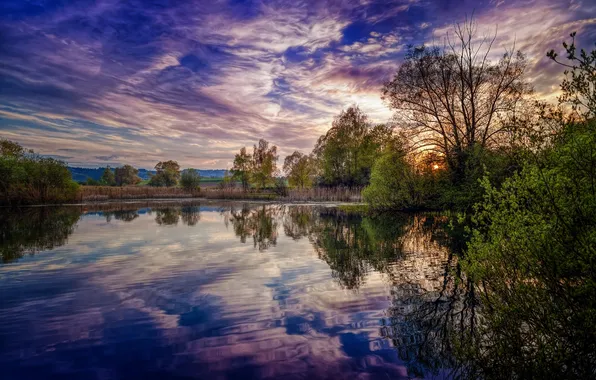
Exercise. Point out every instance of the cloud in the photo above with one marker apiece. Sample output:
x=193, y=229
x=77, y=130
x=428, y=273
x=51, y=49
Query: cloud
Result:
x=145, y=82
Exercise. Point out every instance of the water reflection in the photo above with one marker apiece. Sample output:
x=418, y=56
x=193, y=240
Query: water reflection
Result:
x=260, y=223
x=430, y=304
x=337, y=294
x=30, y=230
x=122, y=215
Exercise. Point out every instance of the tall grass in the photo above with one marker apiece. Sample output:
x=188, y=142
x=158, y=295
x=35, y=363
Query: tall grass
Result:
x=325, y=194
x=102, y=193
x=106, y=193
x=214, y=193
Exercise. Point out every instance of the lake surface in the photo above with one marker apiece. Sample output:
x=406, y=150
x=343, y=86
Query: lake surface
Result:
x=221, y=291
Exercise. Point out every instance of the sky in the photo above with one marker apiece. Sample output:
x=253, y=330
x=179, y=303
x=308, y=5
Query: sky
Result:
x=109, y=82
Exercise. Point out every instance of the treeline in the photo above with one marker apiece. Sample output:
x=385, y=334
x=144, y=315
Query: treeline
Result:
x=168, y=174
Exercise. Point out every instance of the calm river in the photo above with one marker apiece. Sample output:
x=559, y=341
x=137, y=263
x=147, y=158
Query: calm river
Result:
x=221, y=291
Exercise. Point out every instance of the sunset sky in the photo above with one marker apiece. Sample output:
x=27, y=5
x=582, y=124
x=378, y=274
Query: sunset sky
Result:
x=112, y=82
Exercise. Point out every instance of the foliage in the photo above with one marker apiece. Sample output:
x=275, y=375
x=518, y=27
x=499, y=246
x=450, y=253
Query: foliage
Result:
x=346, y=153
x=280, y=187
x=29, y=178
x=264, y=164
x=108, y=178
x=393, y=182
x=190, y=179
x=579, y=85
x=168, y=174
x=257, y=170
x=241, y=168
x=126, y=175
x=227, y=183
x=300, y=170
x=11, y=149
x=92, y=182
x=532, y=259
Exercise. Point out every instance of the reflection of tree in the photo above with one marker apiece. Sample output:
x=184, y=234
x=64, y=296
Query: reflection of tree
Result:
x=36, y=229
x=427, y=326
x=123, y=215
x=430, y=307
x=259, y=222
x=299, y=221
x=167, y=216
x=190, y=215
x=353, y=245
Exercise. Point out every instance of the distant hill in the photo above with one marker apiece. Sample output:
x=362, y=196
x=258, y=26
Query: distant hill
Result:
x=81, y=174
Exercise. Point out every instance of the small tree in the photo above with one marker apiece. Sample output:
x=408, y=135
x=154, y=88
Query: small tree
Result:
x=190, y=179
x=300, y=170
x=393, y=182
x=227, y=181
x=264, y=164
x=126, y=175
x=168, y=174
x=108, y=178
x=241, y=168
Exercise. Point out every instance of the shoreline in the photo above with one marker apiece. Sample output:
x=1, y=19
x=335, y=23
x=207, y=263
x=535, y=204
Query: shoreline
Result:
x=188, y=200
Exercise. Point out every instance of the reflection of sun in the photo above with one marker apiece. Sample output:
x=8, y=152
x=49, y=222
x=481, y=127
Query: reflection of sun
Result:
x=435, y=166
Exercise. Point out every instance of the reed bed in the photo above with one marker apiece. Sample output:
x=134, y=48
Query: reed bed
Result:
x=325, y=194
x=318, y=194
x=103, y=193
x=213, y=193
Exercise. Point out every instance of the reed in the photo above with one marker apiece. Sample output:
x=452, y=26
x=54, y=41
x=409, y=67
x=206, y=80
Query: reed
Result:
x=102, y=193
x=213, y=193
x=325, y=194
x=107, y=193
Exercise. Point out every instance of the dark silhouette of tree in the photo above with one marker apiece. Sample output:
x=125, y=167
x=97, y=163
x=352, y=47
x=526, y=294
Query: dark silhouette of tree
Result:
x=579, y=85
x=454, y=98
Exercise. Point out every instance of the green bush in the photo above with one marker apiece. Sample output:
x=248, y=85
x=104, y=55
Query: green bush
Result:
x=532, y=258
x=190, y=179
x=26, y=178
x=393, y=183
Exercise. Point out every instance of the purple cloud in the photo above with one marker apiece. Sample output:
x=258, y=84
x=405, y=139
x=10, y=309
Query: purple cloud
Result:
x=140, y=82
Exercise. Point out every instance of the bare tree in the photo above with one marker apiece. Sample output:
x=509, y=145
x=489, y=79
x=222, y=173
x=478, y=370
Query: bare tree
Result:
x=455, y=98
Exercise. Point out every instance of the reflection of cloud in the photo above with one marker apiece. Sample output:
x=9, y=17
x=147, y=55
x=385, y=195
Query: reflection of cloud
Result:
x=214, y=304
x=128, y=83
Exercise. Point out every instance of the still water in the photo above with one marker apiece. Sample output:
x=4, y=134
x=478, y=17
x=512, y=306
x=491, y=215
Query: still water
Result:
x=221, y=291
